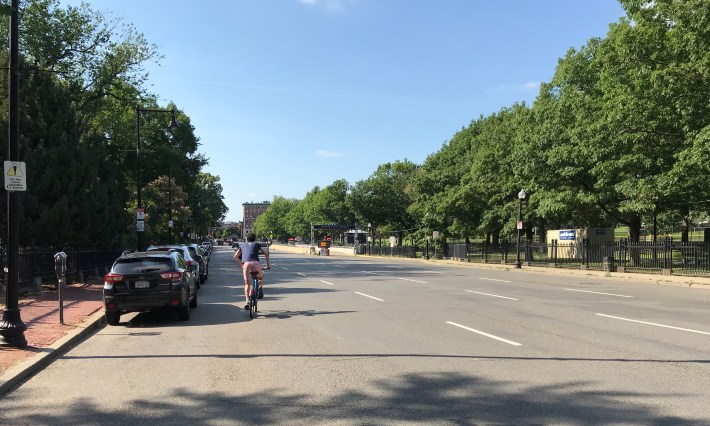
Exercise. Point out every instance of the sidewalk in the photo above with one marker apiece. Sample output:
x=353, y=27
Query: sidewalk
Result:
x=46, y=337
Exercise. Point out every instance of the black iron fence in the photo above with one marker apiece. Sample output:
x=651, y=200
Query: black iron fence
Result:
x=36, y=267
x=661, y=257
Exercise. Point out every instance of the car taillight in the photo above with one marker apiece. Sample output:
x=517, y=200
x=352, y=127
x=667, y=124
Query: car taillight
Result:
x=109, y=279
x=175, y=276
x=189, y=262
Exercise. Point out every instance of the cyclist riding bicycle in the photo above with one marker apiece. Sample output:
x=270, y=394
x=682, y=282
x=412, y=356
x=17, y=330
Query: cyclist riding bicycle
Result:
x=247, y=256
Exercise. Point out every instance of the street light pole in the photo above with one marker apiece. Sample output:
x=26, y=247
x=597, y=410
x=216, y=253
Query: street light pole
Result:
x=519, y=225
x=140, y=224
x=12, y=328
x=170, y=204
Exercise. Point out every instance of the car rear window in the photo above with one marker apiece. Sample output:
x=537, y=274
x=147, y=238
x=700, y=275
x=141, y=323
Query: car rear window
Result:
x=142, y=265
x=180, y=250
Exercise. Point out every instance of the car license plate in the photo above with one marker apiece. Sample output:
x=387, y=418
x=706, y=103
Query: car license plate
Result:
x=142, y=284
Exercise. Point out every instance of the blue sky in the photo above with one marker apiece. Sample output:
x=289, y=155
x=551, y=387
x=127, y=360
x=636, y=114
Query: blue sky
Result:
x=286, y=95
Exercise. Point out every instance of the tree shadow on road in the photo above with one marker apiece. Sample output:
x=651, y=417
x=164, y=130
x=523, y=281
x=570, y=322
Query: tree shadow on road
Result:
x=435, y=398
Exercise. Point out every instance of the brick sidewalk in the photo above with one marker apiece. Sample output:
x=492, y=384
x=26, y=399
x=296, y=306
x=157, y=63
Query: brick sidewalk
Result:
x=40, y=313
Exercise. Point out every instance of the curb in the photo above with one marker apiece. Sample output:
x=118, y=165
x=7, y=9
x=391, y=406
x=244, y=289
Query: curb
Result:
x=20, y=372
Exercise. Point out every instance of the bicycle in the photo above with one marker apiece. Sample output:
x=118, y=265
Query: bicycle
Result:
x=255, y=293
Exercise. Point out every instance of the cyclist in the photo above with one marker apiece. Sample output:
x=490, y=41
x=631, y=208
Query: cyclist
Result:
x=247, y=256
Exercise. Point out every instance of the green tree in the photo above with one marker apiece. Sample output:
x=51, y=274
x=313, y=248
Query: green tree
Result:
x=383, y=199
x=273, y=222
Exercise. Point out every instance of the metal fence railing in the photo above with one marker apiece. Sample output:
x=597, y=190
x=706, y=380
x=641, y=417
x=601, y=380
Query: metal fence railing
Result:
x=36, y=267
x=661, y=257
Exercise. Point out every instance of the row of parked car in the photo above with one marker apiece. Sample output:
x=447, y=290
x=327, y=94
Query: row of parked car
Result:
x=161, y=276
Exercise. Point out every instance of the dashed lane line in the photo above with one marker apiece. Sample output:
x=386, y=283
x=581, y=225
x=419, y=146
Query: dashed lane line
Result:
x=510, y=342
x=655, y=324
x=371, y=297
x=494, y=279
x=599, y=292
x=326, y=282
x=414, y=281
x=492, y=295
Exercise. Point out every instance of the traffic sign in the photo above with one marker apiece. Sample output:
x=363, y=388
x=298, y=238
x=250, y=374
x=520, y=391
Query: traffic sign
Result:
x=15, y=176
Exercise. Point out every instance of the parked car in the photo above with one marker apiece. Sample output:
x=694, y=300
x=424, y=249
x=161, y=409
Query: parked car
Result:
x=207, y=247
x=199, y=254
x=192, y=263
x=220, y=242
x=142, y=281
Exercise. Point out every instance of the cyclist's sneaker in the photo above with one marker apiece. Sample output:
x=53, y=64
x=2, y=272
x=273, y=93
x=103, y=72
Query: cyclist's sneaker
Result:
x=261, y=293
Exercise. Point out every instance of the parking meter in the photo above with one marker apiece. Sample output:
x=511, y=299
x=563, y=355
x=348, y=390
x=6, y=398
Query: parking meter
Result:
x=60, y=268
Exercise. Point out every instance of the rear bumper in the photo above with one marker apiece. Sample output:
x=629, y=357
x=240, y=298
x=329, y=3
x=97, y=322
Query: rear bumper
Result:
x=140, y=301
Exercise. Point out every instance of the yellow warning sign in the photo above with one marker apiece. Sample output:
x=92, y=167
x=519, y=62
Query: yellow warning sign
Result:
x=15, y=176
x=15, y=170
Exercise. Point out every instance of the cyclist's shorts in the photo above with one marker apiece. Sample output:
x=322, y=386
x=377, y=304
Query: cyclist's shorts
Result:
x=247, y=267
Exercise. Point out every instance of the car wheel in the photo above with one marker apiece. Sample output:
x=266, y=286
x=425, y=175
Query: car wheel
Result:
x=113, y=317
x=183, y=309
x=193, y=301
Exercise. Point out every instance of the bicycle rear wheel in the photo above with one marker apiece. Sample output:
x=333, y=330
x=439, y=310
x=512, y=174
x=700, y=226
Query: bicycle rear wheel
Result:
x=254, y=298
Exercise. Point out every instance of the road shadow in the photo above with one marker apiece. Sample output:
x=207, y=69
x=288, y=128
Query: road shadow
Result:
x=422, y=398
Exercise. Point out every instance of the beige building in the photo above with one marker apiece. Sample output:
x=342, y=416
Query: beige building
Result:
x=251, y=211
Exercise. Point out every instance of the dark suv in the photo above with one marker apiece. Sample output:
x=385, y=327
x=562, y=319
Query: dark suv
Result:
x=192, y=263
x=142, y=281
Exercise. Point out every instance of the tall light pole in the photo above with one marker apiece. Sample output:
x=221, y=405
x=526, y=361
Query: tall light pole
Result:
x=519, y=225
x=12, y=328
x=170, y=204
x=140, y=224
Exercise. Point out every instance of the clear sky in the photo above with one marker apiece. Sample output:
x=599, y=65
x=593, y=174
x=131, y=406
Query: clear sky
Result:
x=286, y=95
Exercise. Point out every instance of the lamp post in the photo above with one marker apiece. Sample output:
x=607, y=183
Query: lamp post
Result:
x=12, y=328
x=170, y=204
x=139, y=184
x=519, y=225
x=369, y=239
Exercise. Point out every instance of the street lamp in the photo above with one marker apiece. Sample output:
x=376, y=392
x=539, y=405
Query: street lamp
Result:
x=369, y=239
x=12, y=328
x=170, y=204
x=519, y=225
x=140, y=224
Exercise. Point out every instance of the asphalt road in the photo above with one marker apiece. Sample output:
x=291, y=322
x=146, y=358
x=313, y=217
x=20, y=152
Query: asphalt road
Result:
x=345, y=340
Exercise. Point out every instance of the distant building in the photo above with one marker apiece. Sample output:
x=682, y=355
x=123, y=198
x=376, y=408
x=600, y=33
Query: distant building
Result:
x=251, y=211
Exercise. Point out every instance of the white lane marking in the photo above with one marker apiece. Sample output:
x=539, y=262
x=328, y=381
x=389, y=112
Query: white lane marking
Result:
x=301, y=274
x=657, y=325
x=510, y=342
x=326, y=282
x=368, y=272
x=430, y=272
x=282, y=267
x=367, y=295
x=494, y=279
x=414, y=281
x=599, y=292
x=492, y=295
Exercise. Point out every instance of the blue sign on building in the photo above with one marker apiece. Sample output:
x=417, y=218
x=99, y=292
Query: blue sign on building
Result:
x=569, y=234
